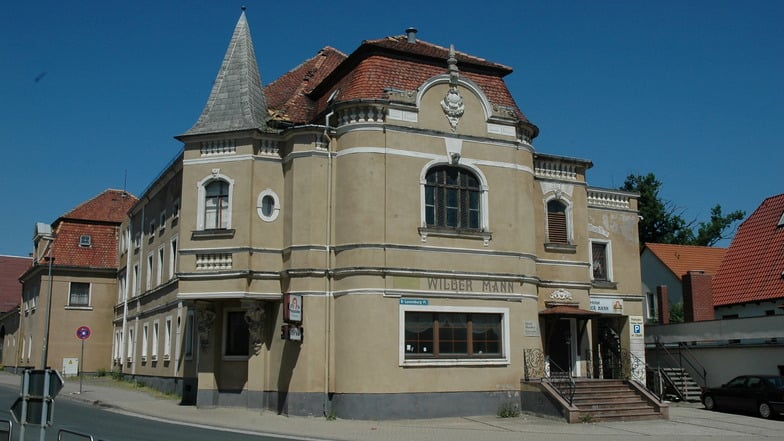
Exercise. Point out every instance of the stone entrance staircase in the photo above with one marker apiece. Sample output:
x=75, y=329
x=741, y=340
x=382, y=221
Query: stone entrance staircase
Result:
x=613, y=400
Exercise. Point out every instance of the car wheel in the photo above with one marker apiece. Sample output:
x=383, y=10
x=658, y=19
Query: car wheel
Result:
x=710, y=404
x=764, y=410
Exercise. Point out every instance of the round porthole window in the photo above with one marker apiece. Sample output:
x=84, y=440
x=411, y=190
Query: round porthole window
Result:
x=268, y=205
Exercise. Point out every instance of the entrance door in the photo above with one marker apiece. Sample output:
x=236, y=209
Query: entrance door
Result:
x=560, y=346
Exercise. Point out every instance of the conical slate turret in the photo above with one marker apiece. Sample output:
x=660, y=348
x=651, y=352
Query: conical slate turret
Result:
x=236, y=101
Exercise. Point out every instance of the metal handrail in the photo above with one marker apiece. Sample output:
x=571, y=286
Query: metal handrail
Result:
x=627, y=366
x=695, y=367
x=537, y=365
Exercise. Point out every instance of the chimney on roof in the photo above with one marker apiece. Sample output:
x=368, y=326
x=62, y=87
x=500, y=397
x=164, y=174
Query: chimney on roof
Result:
x=411, y=35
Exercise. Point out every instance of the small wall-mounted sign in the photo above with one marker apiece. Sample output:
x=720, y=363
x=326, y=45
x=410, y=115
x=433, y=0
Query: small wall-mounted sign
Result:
x=291, y=332
x=418, y=302
x=292, y=308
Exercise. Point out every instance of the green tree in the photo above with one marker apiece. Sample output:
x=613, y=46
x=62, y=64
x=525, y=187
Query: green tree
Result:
x=676, y=313
x=662, y=223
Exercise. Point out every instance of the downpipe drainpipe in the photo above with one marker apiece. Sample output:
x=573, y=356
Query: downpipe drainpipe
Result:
x=328, y=271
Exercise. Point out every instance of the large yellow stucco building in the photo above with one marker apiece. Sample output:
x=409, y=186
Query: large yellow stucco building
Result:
x=395, y=195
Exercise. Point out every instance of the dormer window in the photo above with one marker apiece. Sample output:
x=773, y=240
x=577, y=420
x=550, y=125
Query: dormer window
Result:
x=85, y=241
x=781, y=221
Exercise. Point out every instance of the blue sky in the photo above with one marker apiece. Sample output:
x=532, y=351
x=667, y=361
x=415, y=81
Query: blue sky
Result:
x=92, y=93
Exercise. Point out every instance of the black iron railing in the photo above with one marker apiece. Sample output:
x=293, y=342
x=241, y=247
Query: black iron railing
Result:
x=539, y=366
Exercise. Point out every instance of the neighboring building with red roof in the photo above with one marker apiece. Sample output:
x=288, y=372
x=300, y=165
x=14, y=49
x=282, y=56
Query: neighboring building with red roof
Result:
x=750, y=280
x=11, y=268
x=78, y=254
x=671, y=266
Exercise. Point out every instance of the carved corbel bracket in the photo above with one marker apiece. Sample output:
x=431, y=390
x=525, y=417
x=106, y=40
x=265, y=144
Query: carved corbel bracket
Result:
x=254, y=318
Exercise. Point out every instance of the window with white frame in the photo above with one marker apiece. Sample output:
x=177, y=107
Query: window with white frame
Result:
x=449, y=335
x=155, y=335
x=176, y=209
x=215, y=203
x=557, y=224
x=159, y=274
x=85, y=241
x=131, y=343
x=172, y=257
x=189, y=338
x=452, y=198
x=236, y=337
x=167, y=338
x=650, y=300
x=162, y=221
x=79, y=294
x=121, y=288
x=145, y=341
x=601, y=261
x=268, y=205
x=117, y=345
x=148, y=275
x=135, y=282
x=152, y=229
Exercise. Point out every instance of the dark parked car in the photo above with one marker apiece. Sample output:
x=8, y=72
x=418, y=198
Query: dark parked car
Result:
x=761, y=394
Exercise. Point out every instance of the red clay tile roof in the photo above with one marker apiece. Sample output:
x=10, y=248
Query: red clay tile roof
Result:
x=11, y=267
x=680, y=259
x=301, y=95
x=752, y=269
x=287, y=96
x=99, y=218
x=109, y=206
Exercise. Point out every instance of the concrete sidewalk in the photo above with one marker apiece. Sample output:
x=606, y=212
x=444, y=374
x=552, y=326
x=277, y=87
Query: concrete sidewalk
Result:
x=686, y=422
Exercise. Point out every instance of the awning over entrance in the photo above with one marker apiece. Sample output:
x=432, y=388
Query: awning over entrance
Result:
x=570, y=312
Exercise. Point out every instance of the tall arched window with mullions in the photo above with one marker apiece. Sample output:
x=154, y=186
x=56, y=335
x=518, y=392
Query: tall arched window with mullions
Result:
x=216, y=205
x=452, y=198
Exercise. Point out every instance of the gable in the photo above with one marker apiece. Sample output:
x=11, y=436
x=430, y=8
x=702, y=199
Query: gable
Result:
x=753, y=267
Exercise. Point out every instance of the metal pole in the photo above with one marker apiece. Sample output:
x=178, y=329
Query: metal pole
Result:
x=81, y=371
x=45, y=347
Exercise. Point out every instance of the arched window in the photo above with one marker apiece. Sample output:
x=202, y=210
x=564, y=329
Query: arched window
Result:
x=216, y=205
x=452, y=198
x=557, y=230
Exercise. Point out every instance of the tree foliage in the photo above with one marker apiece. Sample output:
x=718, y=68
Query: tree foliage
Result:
x=662, y=222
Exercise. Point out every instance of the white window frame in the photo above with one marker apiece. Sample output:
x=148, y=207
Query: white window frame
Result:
x=149, y=272
x=152, y=229
x=504, y=360
x=202, y=195
x=131, y=343
x=569, y=221
x=145, y=340
x=89, y=292
x=162, y=221
x=176, y=209
x=85, y=241
x=136, y=285
x=155, y=336
x=167, y=335
x=484, y=206
x=275, y=205
x=173, y=257
x=159, y=274
x=607, y=257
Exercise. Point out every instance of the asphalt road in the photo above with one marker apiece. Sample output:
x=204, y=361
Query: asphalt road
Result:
x=111, y=426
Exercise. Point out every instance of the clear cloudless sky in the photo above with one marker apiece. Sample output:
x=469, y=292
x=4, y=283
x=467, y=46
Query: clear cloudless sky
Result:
x=92, y=93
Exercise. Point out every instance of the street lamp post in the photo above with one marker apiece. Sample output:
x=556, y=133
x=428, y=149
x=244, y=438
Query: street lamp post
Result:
x=45, y=347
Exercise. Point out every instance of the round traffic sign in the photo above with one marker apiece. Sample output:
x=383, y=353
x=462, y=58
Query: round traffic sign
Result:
x=83, y=333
